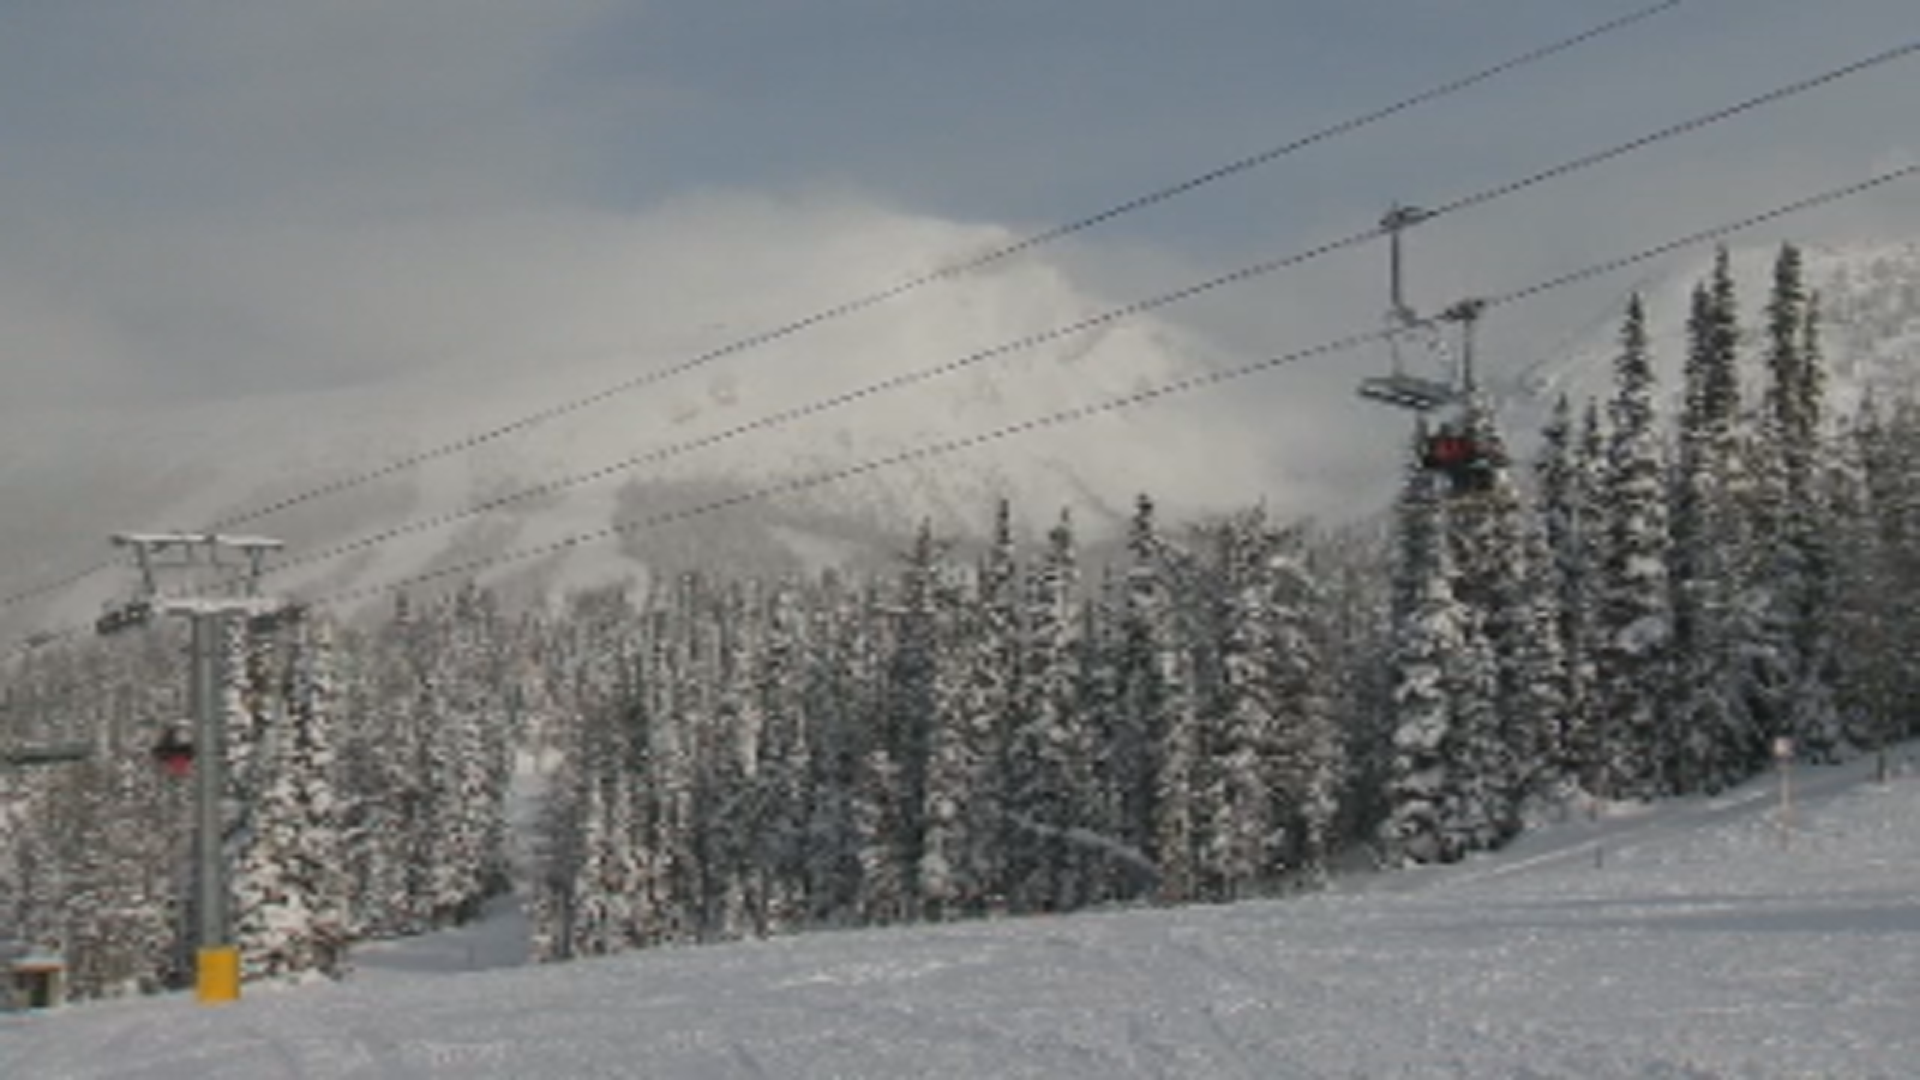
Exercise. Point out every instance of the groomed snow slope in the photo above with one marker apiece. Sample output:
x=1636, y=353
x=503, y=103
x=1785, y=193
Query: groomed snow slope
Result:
x=1699, y=946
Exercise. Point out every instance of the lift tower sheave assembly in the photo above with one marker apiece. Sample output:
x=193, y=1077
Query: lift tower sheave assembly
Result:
x=217, y=961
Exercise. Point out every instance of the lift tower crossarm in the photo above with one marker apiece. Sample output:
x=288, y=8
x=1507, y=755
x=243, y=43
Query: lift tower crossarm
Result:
x=194, y=550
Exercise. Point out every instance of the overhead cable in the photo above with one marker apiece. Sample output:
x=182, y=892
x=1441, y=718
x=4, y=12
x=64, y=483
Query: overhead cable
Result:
x=903, y=287
x=1129, y=400
x=903, y=380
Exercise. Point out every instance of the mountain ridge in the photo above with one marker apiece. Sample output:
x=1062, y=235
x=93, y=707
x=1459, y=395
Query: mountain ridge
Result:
x=700, y=437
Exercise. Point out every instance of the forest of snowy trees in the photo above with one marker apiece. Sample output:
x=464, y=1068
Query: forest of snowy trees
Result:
x=1681, y=576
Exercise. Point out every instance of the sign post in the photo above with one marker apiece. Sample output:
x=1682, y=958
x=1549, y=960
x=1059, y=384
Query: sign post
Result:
x=1783, y=755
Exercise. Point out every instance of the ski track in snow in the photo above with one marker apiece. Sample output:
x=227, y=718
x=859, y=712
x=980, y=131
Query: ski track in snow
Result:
x=1700, y=947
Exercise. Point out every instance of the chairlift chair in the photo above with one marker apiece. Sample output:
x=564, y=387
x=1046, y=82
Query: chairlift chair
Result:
x=173, y=753
x=1453, y=449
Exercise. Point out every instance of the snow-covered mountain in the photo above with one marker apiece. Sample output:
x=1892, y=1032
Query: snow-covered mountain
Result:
x=1870, y=306
x=67, y=479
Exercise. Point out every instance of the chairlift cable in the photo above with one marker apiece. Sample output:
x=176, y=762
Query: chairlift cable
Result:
x=1473, y=200
x=1386, y=227
x=911, y=284
x=1144, y=396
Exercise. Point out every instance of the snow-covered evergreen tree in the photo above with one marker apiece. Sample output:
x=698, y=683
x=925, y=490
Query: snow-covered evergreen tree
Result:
x=1047, y=752
x=1238, y=774
x=1634, y=614
x=1501, y=715
x=1802, y=561
x=1711, y=554
x=839, y=712
x=970, y=828
x=1159, y=733
x=292, y=890
x=917, y=700
x=1534, y=687
x=1566, y=577
x=1423, y=783
x=1873, y=502
x=1309, y=760
x=466, y=759
x=783, y=780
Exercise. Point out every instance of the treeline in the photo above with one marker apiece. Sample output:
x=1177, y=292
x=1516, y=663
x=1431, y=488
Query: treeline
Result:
x=1669, y=604
x=1216, y=712
x=954, y=741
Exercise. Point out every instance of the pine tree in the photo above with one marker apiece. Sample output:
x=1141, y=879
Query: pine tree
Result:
x=947, y=885
x=1634, y=615
x=383, y=780
x=990, y=690
x=676, y=704
x=1158, y=741
x=1710, y=554
x=1238, y=772
x=1423, y=785
x=917, y=703
x=784, y=776
x=1123, y=871
x=1046, y=751
x=839, y=729
x=465, y=758
x=1308, y=757
x=1864, y=608
x=1566, y=577
x=114, y=895
x=1501, y=727
x=1534, y=687
x=1815, y=719
x=732, y=763
x=291, y=915
x=560, y=847
x=1130, y=758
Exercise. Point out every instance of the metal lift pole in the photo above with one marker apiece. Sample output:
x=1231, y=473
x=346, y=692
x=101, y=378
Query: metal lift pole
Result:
x=1467, y=314
x=1396, y=221
x=217, y=961
x=209, y=782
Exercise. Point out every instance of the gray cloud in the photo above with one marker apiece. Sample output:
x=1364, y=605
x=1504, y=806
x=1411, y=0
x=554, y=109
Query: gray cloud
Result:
x=245, y=195
x=223, y=197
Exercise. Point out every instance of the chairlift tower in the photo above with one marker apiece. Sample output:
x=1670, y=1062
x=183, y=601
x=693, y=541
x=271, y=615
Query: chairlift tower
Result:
x=231, y=567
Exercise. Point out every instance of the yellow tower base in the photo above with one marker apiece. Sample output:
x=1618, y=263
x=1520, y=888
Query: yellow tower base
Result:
x=218, y=975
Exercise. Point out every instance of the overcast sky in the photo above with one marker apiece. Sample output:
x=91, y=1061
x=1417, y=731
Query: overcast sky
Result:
x=219, y=196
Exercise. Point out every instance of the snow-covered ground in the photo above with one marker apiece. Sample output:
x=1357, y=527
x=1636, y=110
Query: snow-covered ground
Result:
x=1693, y=940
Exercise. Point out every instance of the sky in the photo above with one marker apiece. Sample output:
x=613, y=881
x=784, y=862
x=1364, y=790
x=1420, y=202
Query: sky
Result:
x=217, y=197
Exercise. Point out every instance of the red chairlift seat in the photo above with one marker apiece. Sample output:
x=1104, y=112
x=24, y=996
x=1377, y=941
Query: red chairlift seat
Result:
x=1447, y=451
x=1469, y=465
x=173, y=753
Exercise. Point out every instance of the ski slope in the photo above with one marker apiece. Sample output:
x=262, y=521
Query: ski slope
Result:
x=1697, y=939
